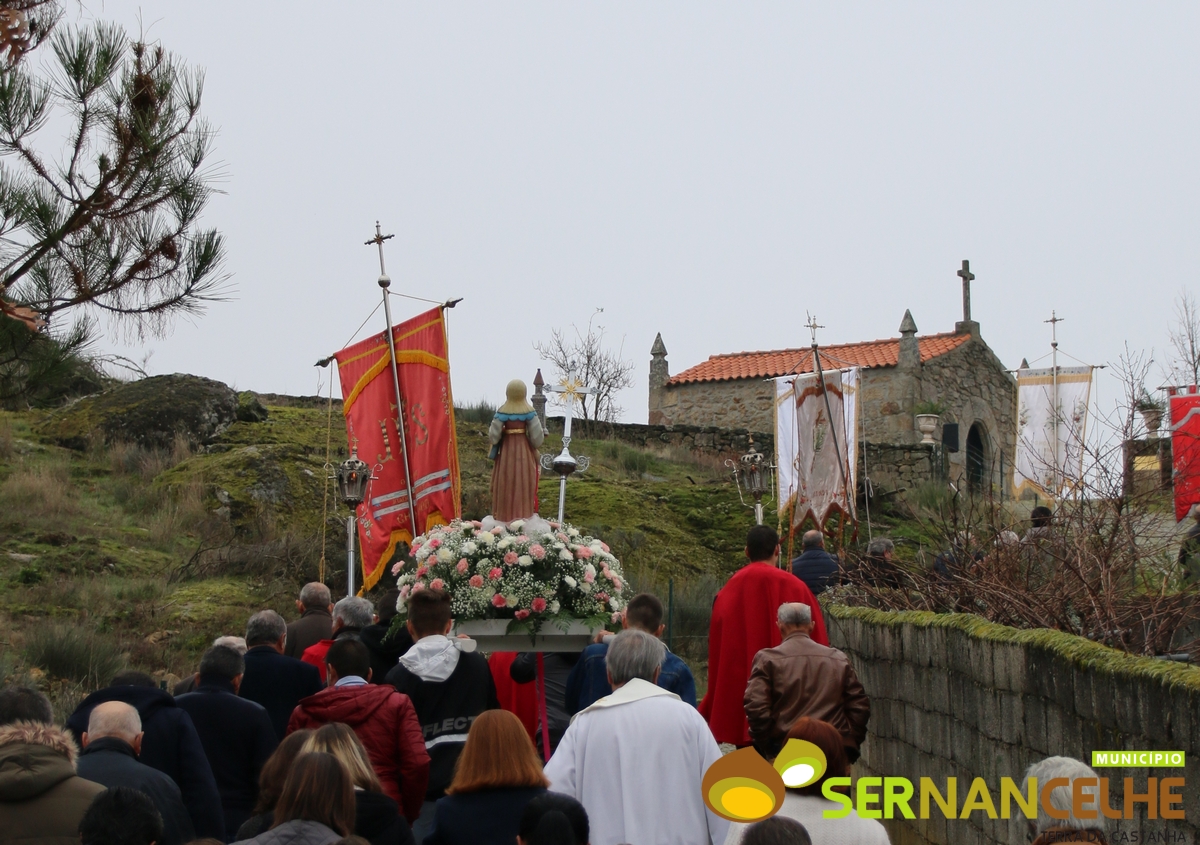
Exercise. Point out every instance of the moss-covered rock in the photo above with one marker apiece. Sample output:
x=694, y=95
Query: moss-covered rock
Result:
x=151, y=412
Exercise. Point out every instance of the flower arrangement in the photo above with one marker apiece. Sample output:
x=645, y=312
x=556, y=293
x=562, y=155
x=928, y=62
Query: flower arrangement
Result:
x=557, y=576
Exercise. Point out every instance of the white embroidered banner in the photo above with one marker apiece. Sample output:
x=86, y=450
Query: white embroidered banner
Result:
x=1052, y=412
x=815, y=444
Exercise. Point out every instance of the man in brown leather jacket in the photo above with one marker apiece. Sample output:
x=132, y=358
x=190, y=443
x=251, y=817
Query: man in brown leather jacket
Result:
x=800, y=677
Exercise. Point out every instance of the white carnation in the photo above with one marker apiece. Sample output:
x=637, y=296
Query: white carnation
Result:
x=573, y=532
x=614, y=604
x=554, y=607
x=423, y=553
x=565, y=555
x=468, y=548
x=589, y=569
x=445, y=555
x=525, y=560
x=570, y=582
x=585, y=587
x=488, y=538
x=505, y=543
x=517, y=525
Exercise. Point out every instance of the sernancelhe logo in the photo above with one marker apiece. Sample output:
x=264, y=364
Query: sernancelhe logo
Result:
x=743, y=787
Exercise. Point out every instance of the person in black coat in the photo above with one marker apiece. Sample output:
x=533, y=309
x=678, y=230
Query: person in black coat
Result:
x=275, y=681
x=386, y=646
x=817, y=568
x=237, y=735
x=557, y=667
x=109, y=758
x=170, y=744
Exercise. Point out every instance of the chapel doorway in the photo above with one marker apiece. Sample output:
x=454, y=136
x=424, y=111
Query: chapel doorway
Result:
x=977, y=460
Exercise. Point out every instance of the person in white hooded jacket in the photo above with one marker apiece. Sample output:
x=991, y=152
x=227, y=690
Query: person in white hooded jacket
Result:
x=449, y=687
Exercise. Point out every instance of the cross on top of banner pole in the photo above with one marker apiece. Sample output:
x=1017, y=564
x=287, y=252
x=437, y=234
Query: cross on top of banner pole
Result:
x=384, y=281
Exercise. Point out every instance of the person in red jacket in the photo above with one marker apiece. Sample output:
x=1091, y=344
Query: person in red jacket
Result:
x=743, y=623
x=350, y=616
x=383, y=719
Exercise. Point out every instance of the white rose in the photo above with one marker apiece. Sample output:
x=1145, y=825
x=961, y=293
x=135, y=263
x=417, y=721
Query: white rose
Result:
x=565, y=555
x=468, y=549
x=554, y=607
x=445, y=555
x=525, y=560
x=570, y=582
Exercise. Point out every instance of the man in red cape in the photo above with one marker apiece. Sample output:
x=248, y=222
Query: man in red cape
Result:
x=743, y=623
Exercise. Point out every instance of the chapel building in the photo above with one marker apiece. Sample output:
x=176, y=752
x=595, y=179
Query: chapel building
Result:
x=956, y=370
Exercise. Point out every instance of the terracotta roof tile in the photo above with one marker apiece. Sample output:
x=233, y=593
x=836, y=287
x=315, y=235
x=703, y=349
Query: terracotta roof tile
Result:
x=782, y=362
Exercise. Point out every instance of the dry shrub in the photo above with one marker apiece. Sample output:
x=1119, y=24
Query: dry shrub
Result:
x=7, y=442
x=39, y=495
x=182, y=511
x=70, y=652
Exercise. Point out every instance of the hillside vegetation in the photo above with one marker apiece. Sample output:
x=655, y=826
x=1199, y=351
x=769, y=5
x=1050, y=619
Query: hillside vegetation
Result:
x=115, y=554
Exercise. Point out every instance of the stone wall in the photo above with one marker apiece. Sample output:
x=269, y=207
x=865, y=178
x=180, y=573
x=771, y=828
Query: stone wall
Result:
x=895, y=468
x=712, y=442
x=955, y=696
x=740, y=403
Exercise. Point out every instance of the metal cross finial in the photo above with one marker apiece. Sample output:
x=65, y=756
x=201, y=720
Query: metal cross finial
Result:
x=1054, y=321
x=813, y=326
x=570, y=390
x=967, y=277
x=378, y=240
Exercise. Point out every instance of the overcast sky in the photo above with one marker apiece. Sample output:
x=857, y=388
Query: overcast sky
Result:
x=710, y=172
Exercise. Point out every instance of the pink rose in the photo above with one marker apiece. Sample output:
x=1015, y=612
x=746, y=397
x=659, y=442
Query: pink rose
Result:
x=583, y=552
x=602, y=596
x=434, y=543
x=463, y=566
x=499, y=600
x=521, y=614
x=589, y=577
x=496, y=573
x=539, y=604
x=536, y=550
x=417, y=587
x=510, y=558
x=476, y=581
x=437, y=584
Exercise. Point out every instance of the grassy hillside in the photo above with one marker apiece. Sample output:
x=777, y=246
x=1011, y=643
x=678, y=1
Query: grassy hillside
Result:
x=118, y=555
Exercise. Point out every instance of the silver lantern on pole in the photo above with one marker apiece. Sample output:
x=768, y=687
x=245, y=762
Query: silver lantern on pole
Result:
x=752, y=474
x=352, y=476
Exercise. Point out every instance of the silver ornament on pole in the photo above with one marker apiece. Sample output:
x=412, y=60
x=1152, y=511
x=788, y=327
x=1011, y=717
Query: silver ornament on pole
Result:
x=352, y=476
x=752, y=473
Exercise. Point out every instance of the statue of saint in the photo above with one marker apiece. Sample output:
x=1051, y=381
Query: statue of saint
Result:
x=516, y=433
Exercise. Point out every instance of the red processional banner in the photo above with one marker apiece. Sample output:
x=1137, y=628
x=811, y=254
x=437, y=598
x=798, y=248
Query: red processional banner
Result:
x=1185, y=447
x=369, y=403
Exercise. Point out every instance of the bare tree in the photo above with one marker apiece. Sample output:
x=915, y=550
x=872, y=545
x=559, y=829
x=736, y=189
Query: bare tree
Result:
x=1185, y=340
x=603, y=370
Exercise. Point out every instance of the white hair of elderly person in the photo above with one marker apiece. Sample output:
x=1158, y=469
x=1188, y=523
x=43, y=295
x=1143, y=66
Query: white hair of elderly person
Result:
x=1071, y=828
x=636, y=758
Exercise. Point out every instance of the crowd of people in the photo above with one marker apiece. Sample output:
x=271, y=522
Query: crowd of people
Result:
x=341, y=727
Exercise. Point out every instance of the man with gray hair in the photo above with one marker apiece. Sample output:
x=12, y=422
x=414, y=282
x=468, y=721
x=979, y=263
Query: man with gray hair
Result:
x=273, y=679
x=111, y=747
x=315, y=623
x=880, y=569
x=350, y=616
x=798, y=678
x=817, y=568
x=1069, y=828
x=606, y=753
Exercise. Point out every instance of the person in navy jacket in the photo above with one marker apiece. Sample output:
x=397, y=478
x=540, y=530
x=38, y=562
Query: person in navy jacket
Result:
x=588, y=681
x=272, y=679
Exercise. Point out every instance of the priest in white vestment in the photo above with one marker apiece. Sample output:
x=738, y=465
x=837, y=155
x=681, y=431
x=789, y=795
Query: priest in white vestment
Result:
x=635, y=759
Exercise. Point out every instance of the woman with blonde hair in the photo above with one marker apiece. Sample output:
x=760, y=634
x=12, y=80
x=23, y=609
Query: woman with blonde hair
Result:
x=376, y=816
x=497, y=774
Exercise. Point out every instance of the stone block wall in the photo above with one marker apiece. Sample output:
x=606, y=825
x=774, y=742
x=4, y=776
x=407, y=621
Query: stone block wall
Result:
x=705, y=441
x=955, y=696
x=740, y=403
x=893, y=468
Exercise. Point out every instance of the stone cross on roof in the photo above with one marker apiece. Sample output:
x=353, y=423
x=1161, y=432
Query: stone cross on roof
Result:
x=967, y=276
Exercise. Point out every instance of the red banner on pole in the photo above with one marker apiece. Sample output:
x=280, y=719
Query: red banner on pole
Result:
x=369, y=404
x=1185, y=447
